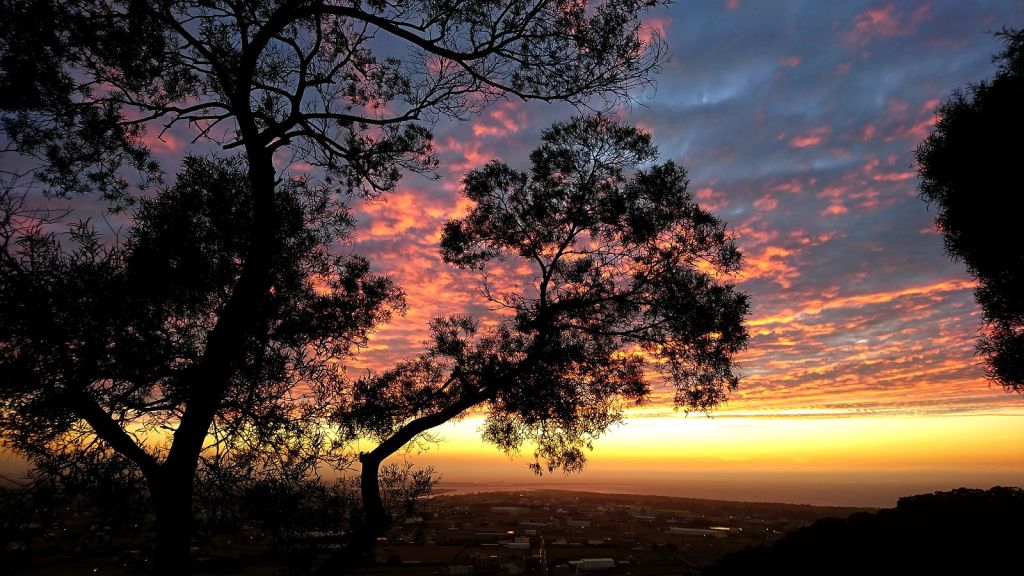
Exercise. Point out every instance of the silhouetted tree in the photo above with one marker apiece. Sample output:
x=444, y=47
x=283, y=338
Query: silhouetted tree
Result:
x=101, y=340
x=340, y=85
x=627, y=280
x=968, y=169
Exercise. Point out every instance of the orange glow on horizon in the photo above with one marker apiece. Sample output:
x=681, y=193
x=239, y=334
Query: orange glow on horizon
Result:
x=784, y=442
x=858, y=460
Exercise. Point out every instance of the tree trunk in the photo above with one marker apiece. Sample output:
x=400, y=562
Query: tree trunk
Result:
x=243, y=315
x=359, y=551
x=376, y=518
x=172, y=502
x=377, y=521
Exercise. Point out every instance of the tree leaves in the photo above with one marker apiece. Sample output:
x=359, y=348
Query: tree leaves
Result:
x=968, y=170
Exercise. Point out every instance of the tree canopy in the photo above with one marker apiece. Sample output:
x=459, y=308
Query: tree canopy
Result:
x=336, y=84
x=968, y=171
x=627, y=284
x=92, y=330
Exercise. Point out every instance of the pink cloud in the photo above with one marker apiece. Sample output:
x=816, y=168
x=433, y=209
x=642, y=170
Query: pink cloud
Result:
x=835, y=210
x=790, y=186
x=753, y=237
x=164, y=141
x=654, y=26
x=711, y=199
x=915, y=132
x=462, y=155
x=766, y=202
x=812, y=137
x=790, y=61
x=894, y=176
x=502, y=121
x=806, y=240
x=771, y=263
x=884, y=22
x=835, y=191
x=871, y=170
x=644, y=127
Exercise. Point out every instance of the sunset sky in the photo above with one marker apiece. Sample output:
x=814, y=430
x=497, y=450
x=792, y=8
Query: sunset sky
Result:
x=797, y=121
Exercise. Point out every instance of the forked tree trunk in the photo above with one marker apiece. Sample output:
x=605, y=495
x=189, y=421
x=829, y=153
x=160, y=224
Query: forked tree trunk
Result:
x=171, y=483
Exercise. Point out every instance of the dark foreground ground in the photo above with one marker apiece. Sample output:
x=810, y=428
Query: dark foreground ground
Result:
x=521, y=532
x=958, y=532
x=550, y=532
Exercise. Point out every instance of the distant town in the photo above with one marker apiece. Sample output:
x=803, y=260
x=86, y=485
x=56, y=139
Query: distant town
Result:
x=553, y=532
